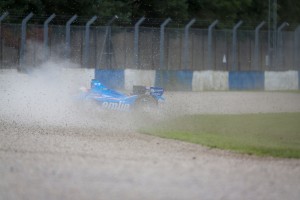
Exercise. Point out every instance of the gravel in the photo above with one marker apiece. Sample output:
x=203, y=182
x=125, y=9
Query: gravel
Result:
x=50, y=148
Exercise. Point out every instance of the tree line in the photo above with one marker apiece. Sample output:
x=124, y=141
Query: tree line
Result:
x=227, y=11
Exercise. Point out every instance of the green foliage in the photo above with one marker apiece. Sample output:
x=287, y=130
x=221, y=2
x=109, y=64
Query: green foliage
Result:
x=228, y=11
x=261, y=134
x=289, y=11
x=22, y=7
x=103, y=8
x=176, y=9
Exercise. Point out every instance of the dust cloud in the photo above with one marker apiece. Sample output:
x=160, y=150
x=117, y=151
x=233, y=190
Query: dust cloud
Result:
x=52, y=144
x=48, y=96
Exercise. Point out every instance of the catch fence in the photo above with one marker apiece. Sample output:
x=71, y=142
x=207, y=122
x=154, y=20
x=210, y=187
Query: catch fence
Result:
x=113, y=47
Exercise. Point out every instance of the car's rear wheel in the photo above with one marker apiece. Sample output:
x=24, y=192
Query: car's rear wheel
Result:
x=146, y=103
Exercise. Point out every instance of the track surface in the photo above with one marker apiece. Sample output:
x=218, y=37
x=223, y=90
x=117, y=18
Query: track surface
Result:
x=53, y=150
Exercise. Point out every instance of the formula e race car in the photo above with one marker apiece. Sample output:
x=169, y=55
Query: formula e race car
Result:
x=141, y=97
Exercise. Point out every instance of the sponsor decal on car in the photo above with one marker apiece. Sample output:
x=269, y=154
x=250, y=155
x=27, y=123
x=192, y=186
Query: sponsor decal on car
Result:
x=116, y=106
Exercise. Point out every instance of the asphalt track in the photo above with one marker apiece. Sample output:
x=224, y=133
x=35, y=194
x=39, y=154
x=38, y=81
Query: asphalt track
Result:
x=52, y=148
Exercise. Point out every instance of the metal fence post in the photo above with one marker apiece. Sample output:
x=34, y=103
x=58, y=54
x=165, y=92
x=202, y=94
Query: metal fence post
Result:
x=162, y=43
x=23, y=38
x=3, y=16
x=68, y=30
x=210, y=28
x=46, y=36
x=108, y=46
x=279, y=53
x=136, y=42
x=297, y=47
x=186, y=44
x=1, y=19
x=87, y=40
x=256, y=44
x=274, y=8
x=234, y=39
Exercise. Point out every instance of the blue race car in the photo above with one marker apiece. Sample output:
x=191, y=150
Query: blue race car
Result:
x=141, y=97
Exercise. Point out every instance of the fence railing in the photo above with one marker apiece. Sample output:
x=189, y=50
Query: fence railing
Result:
x=149, y=48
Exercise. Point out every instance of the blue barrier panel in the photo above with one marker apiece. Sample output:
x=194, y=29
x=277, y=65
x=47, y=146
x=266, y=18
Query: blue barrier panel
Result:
x=251, y=80
x=174, y=80
x=111, y=78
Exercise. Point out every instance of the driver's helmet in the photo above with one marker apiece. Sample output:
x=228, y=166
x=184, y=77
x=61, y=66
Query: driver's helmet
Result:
x=95, y=84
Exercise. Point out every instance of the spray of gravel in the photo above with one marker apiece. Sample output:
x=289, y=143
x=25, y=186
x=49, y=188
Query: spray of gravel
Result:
x=47, y=96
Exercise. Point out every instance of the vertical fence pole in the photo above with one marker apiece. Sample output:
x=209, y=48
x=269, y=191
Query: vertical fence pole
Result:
x=268, y=61
x=210, y=28
x=1, y=51
x=296, y=48
x=234, y=44
x=274, y=7
x=256, y=45
x=87, y=41
x=162, y=43
x=23, y=39
x=186, y=54
x=46, y=48
x=136, y=42
x=279, y=53
x=3, y=16
x=272, y=26
x=108, y=42
x=68, y=30
x=106, y=45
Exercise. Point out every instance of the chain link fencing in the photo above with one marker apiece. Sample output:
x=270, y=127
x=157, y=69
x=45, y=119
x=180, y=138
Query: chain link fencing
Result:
x=112, y=47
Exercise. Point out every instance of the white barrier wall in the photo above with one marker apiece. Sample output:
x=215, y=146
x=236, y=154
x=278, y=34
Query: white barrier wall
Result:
x=202, y=80
x=71, y=77
x=210, y=80
x=138, y=77
x=8, y=71
x=287, y=80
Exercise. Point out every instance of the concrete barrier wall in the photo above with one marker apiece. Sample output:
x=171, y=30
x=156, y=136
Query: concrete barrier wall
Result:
x=288, y=80
x=138, y=77
x=183, y=80
x=72, y=77
x=250, y=80
x=174, y=80
x=8, y=72
x=210, y=80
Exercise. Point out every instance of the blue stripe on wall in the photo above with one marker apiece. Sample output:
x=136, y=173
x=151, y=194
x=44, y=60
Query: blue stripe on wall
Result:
x=171, y=80
x=111, y=78
x=246, y=80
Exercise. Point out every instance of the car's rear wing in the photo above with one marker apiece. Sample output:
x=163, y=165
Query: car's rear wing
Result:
x=154, y=91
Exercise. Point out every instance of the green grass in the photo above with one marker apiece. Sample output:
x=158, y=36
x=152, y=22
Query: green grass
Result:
x=275, y=135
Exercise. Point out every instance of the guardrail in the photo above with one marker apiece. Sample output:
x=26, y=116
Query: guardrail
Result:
x=208, y=80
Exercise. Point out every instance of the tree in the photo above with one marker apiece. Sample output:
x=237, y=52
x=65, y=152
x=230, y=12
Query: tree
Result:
x=176, y=9
x=289, y=10
x=22, y=7
x=227, y=11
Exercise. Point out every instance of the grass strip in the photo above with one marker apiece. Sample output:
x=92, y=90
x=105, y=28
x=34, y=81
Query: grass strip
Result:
x=276, y=134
